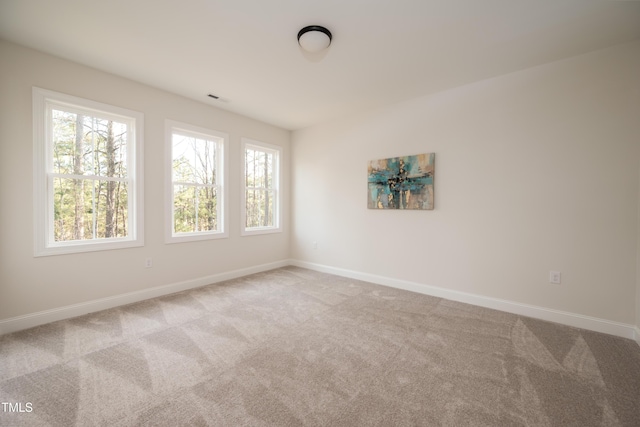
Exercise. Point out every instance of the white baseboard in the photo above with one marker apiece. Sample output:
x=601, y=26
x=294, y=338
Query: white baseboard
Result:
x=565, y=318
x=18, y=323
x=576, y=320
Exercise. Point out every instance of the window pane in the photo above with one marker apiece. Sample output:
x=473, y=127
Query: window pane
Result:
x=184, y=214
x=259, y=208
x=252, y=219
x=249, y=168
x=269, y=207
x=183, y=156
x=205, y=159
x=85, y=145
x=268, y=171
x=194, y=160
x=109, y=141
x=73, y=213
x=87, y=209
x=64, y=136
x=258, y=169
x=207, y=209
x=111, y=211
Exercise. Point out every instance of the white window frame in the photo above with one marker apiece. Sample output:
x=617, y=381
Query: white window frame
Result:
x=221, y=140
x=277, y=180
x=44, y=243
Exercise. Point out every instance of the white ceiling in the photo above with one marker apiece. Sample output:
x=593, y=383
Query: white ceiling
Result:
x=246, y=51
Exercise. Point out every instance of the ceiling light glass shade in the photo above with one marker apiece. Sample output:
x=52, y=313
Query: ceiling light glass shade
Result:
x=314, y=38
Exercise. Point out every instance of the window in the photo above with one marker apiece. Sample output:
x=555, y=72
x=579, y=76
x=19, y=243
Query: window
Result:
x=88, y=192
x=261, y=196
x=196, y=191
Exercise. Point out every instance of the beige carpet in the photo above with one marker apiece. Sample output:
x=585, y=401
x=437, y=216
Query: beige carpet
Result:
x=296, y=347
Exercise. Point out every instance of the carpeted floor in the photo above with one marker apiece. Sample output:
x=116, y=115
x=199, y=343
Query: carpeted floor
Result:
x=296, y=347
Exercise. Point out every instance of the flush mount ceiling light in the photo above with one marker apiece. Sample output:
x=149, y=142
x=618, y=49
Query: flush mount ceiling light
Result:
x=314, y=38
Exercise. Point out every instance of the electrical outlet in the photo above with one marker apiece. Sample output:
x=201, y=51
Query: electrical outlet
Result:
x=315, y=245
x=555, y=277
x=148, y=263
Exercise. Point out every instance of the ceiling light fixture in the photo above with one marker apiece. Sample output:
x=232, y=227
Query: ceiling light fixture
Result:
x=314, y=38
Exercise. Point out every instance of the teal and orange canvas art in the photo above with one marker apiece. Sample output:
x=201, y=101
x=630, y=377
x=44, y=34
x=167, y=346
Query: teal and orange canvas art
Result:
x=401, y=182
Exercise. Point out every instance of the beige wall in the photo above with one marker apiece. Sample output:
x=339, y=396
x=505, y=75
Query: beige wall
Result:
x=535, y=171
x=28, y=284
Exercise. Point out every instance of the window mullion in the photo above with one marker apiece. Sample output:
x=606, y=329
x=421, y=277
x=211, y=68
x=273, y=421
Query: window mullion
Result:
x=94, y=212
x=88, y=177
x=194, y=184
x=197, y=206
x=51, y=215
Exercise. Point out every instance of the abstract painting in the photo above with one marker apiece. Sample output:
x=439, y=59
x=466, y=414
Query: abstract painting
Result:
x=401, y=182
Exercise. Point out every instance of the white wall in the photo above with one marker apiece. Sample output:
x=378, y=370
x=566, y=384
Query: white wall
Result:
x=638, y=270
x=30, y=285
x=535, y=171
